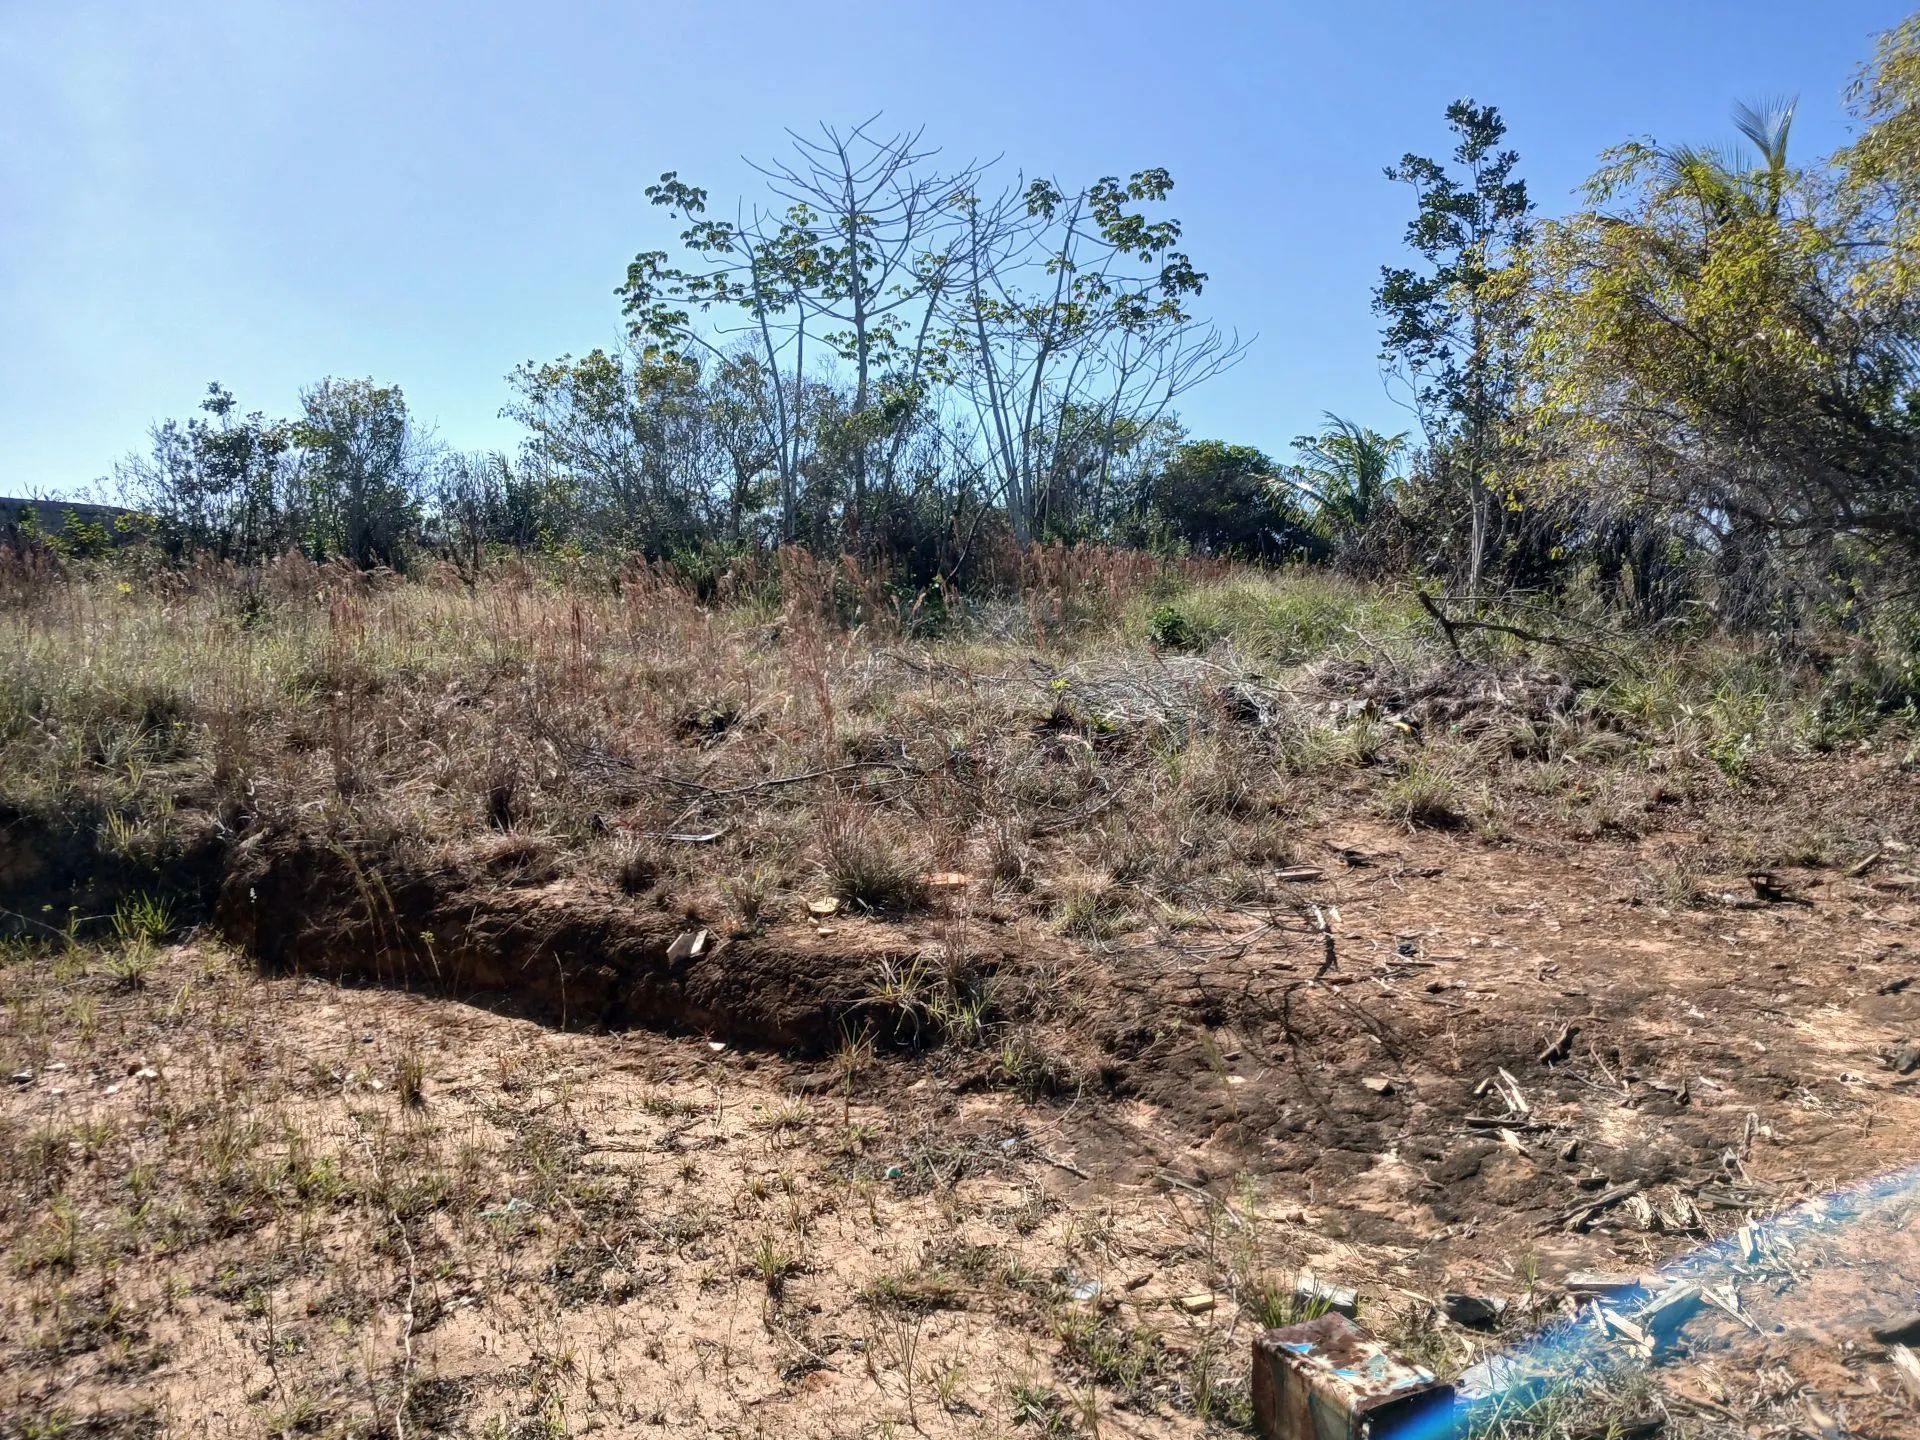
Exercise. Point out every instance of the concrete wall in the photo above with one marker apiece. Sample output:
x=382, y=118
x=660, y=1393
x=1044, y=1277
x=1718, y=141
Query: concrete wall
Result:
x=51, y=515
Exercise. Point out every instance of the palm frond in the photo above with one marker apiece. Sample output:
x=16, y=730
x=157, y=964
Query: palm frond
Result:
x=1767, y=127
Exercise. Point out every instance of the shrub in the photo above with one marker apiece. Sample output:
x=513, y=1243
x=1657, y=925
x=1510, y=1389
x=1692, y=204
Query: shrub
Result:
x=1168, y=628
x=867, y=866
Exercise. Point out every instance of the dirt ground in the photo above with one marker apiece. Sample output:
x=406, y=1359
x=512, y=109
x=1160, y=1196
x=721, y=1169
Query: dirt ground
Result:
x=243, y=1201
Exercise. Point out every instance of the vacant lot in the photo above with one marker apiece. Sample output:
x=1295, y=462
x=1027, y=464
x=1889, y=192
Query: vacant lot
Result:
x=572, y=1004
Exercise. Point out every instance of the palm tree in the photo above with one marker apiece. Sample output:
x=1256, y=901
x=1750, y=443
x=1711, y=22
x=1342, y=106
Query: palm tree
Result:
x=1346, y=471
x=1726, y=186
x=1767, y=131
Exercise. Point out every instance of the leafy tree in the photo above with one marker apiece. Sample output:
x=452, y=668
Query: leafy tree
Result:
x=1452, y=325
x=481, y=501
x=1068, y=322
x=221, y=482
x=849, y=270
x=1727, y=189
x=363, y=469
x=1021, y=334
x=1735, y=350
x=1230, y=500
x=656, y=449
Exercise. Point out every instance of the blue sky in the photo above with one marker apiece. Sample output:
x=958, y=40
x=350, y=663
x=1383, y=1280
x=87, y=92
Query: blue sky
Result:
x=428, y=194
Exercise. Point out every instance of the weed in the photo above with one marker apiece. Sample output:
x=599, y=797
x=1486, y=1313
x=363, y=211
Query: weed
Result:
x=1425, y=793
x=1271, y=1303
x=751, y=894
x=410, y=1085
x=142, y=919
x=905, y=989
x=773, y=1263
x=788, y=1116
x=1127, y=1359
x=1090, y=907
x=911, y=1290
x=636, y=866
x=1040, y=1406
x=1170, y=628
x=129, y=964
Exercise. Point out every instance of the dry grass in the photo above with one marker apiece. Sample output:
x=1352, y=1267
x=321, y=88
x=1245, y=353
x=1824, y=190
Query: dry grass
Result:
x=819, y=742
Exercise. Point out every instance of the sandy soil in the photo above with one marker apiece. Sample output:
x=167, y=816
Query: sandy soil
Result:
x=241, y=1203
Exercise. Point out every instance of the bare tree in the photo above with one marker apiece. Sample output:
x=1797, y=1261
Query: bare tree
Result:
x=855, y=263
x=1069, y=318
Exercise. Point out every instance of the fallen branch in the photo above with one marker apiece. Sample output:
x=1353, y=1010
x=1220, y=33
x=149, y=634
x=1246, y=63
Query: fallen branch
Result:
x=1330, y=956
x=1450, y=625
x=1561, y=1045
x=730, y=791
x=1059, y=1164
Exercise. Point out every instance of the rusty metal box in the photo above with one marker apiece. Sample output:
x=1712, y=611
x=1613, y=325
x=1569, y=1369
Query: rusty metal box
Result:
x=1327, y=1379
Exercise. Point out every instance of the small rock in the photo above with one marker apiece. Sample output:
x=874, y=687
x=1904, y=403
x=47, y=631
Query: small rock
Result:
x=1198, y=1304
x=716, y=1046
x=1901, y=1330
x=1904, y=1059
x=828, y=906
x=146, y=1072
x=1476, y=1312
x=23, y=1077
x=1378, y=1084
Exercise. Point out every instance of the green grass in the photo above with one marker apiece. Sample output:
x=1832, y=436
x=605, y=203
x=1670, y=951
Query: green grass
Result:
x=1281, y=618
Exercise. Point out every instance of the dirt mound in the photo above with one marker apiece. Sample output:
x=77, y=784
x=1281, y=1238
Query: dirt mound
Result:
x=560, y=951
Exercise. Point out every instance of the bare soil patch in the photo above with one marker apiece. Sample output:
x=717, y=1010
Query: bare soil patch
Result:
x=241, y=1187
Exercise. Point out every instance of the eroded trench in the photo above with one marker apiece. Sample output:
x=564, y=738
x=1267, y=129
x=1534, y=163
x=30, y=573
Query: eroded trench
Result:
x=559, y=951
